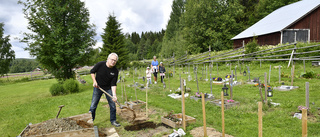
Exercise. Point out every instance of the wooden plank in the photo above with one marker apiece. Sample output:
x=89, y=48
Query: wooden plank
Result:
x=204, y=116
x=222, y=114
x=260, y=118
x=304, y=123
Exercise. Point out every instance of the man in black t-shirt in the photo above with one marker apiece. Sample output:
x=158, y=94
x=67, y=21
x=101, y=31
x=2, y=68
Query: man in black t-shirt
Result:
x=105, y=75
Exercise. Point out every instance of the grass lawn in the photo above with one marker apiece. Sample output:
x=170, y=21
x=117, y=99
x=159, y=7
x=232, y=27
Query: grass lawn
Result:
x=31, y=102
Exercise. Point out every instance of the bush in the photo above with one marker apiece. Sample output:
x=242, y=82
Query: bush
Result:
x=251, y=47
x=57, y=89
x=71, y=86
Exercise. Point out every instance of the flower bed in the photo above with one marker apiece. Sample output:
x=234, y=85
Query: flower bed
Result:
x=227, y=103
x=175, y=120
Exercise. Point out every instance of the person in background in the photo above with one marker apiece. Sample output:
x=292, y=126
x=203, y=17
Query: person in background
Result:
x=104, y=75
x=148, y=75
x=162, y=71
x=155, y=68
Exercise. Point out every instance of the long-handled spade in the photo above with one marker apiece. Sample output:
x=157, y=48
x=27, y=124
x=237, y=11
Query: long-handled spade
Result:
x=117, y=102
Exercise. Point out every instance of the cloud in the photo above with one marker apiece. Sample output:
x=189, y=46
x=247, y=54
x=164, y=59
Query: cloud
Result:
x=134, y=16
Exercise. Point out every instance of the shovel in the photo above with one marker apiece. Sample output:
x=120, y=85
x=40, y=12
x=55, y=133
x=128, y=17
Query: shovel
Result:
x=121, y=106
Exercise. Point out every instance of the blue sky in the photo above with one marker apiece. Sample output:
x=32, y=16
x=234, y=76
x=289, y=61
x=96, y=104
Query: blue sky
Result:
x=134, y=16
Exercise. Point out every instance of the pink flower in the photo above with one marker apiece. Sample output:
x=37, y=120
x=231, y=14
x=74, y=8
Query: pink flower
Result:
x=230, y=101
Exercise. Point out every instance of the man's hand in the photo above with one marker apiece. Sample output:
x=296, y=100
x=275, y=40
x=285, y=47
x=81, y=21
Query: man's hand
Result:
x=95, y=84
x=114, y=99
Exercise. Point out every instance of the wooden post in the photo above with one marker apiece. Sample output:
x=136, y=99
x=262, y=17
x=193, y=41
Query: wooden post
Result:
x=197, y=79
x=240, y=67
x=231, y=85
x=307, y=94
x=304, y=123
x=211, y=84
x=260, y=63
x=204, y=116
x=202, y=71
x=292, y=75
x=260, y=118
x=183, y=83
x=248, y=73
x=222, y=113
x=235, y=71
x=147, y=99
x=135, y=87
x=269, y=75
x=304, y=66
x=230, y=66
x=217, y=70
x=279, y=74
x=265, y=88
x=206, y=73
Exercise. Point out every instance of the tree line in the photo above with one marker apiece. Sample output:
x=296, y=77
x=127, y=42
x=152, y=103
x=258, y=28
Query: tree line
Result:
x=62, y=36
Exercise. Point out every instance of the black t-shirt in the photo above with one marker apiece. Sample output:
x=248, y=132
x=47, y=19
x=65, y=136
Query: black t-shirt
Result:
x=105, y=77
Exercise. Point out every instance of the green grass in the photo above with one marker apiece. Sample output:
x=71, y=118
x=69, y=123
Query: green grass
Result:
x=31, y=102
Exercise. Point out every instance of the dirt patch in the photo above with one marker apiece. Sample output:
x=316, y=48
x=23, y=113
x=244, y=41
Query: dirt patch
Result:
x=53, y=126
x=161, y=130
x=141, y=126
x=211, y=132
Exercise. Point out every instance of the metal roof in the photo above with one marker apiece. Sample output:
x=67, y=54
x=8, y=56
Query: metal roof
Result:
x=280, y=19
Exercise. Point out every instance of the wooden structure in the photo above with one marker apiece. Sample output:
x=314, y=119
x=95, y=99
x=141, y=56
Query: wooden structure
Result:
x=300, y=23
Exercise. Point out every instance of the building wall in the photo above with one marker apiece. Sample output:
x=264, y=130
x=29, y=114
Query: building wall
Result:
x=312, y=22
x=269, y=39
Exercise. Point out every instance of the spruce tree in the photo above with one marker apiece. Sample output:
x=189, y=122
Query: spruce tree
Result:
x=6, y=53
x=113, y=41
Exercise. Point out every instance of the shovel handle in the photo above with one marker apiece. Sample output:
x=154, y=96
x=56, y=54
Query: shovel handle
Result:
x=105, y=92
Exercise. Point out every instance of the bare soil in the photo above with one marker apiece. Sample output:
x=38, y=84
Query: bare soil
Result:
x=53, y=126
x=211, y=132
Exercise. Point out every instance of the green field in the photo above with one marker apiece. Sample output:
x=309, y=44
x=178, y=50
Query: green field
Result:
x=24, y=102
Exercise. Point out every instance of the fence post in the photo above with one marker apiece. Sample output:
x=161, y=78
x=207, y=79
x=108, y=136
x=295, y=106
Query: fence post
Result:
x=231, y=85
x=260, y=118
x=304, y=66
x=217, y=70
x=265, y=88
x=307, y=94
x=222, y=113
x=204, y=115
x=279, y=74
x=304, y=123
x=183, y=83
x=269, y=75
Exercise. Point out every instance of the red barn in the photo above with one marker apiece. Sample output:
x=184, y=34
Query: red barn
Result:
x=298, y=21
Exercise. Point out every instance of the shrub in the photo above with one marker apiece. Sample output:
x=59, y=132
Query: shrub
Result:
x=71, y=86
x=251, y=47
x=57, y=89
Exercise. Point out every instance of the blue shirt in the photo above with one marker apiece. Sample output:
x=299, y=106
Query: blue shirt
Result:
x=155, y=63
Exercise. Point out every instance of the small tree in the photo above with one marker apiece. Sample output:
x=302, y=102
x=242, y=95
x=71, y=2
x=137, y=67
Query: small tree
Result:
x=252, y=46
x=113, y=41
x=62, y=35
x=6, y=53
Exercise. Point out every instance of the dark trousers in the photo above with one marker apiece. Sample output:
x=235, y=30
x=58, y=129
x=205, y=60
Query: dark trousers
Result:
x=97, y=93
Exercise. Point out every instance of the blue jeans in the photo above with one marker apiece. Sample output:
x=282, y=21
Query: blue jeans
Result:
x=95, y=100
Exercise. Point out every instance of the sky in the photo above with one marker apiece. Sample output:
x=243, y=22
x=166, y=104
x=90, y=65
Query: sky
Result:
x=134, y=16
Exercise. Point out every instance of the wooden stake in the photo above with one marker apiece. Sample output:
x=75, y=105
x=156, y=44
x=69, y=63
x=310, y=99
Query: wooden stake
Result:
x=204, y=116
x=231, y=85
x=235, y=71
x=260, y=63
x=304, y=66
x=217, y=70
x=260, y=118
x=211, y=84
x=279, y=74
x=197, y=79
x=269, y=75
x=292, y=75
x=265, y=88
x=222, y=113
x=304, y=123
x=135, y=87
x=307, y=94
x=182, y=82
x=147, y=99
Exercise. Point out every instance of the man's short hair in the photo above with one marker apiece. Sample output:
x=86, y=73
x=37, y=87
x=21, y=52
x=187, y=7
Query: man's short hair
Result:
x=154, y=56
x=112, y=54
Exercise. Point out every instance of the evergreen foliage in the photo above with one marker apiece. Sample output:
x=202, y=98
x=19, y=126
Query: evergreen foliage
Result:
x=113, y=41
x=23, y=65
x=6, y=53
x=61, y=37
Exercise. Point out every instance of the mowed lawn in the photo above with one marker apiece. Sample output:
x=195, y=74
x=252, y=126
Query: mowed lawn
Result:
x=31, y=102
